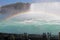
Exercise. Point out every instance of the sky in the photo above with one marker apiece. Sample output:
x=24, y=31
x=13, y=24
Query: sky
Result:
x=5, y=2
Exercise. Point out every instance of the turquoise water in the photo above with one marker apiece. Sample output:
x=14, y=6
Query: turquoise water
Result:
x=30, y=26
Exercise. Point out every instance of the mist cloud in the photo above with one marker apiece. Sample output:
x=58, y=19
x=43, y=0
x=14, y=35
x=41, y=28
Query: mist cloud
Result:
x=36, y=1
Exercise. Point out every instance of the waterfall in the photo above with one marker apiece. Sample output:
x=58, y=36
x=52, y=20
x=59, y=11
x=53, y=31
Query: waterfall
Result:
x=44, y=11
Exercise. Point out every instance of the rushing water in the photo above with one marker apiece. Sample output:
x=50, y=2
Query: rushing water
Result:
x=36, y=21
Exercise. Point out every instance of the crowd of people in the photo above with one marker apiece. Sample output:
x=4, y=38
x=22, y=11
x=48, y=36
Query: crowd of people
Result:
x=25, y=36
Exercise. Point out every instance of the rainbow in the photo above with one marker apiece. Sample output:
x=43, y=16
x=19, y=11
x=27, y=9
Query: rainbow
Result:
x=12, y=10
x=29, y=10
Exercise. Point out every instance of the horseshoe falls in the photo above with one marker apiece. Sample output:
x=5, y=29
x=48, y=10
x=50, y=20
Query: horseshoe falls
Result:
x=41, y=18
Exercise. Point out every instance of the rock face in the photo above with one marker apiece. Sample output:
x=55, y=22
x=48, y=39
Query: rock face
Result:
x=13, y=9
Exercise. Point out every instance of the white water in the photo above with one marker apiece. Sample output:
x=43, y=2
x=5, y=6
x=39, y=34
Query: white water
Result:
x=46, y=11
